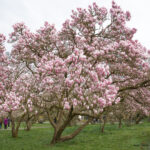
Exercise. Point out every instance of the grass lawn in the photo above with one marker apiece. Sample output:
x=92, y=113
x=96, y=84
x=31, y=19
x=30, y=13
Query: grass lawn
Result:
x=135, y=137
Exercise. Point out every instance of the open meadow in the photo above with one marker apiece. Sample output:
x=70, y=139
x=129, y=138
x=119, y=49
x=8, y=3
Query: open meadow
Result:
x=135, y=137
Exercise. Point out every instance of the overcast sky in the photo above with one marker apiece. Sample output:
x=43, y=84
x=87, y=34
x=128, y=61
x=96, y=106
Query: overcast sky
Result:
x=34, y=12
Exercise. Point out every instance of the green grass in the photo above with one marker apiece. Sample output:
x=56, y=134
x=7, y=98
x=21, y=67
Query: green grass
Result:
x=136, y=137
x=37, y=125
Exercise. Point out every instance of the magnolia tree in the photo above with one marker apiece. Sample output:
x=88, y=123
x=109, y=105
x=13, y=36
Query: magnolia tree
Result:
x=80, y=69
x=3, y=68
x=139, y=104
x=134, y=107
x=16, y=103
x=15, y=90
x=22, y=87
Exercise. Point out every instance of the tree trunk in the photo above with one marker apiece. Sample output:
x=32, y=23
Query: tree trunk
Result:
x=14, y=131
x=103, y=124
x=102, y=128
x=57, y=134
x=60, y=126
x=59, y=130
x=120, y=123
x=138, y=120
x=28, y=125
x=56, y=137
x=15, y=126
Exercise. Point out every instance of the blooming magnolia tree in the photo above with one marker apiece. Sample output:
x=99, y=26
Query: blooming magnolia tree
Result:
x=19, y=103
x=134, y=105
x=15, y=90
x=3, y=68
x=16, y=101
x=139, y=103
x=75, y=86
x=80, y=69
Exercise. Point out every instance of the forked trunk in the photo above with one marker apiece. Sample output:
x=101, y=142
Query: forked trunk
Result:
x=15, y=126
x=56, y=138
x=60, y=126
x=58, y=132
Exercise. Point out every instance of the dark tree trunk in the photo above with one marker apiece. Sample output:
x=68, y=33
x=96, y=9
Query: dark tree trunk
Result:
x=14, y=130
x=120, y=123
x=15, y=125
x=14, y=133
x=102, y=128
x=61, y=125
x=57, y=134
x=138, y=120
x=103, y=124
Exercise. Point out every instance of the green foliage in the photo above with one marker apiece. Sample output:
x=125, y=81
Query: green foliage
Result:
x=135, y=137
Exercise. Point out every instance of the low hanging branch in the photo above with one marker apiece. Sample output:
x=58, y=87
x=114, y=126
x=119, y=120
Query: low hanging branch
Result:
x=139, y=85
x=76, y=132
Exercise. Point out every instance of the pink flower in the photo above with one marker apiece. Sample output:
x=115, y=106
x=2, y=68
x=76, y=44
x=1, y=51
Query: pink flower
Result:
x=66, y=105
x=128, y=15
x=102, y=102
x=117, y=100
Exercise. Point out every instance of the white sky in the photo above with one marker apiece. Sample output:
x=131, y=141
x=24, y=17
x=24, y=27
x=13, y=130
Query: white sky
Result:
x=35, y=12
